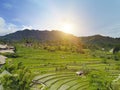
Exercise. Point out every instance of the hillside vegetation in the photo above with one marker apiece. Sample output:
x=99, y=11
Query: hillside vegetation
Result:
x=98, y=41
x=54, y=61
x=91, y=42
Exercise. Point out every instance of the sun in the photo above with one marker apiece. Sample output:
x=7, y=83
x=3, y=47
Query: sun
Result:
x=67, y=27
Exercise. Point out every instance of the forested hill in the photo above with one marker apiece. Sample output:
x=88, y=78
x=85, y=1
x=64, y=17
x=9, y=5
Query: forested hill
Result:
x=39, y=35
x=99, y=40
x=96, y=40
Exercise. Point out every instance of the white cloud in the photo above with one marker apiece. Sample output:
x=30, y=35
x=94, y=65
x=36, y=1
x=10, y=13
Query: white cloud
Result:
x=2, y=23
x=6, y=28
x=12, y=27
x=27, y=27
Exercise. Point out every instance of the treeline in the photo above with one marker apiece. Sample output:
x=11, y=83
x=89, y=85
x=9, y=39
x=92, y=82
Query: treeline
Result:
x=52, y=46
x=72, y=45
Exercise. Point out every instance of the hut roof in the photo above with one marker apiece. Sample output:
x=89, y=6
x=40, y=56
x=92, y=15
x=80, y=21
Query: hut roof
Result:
x=3, y=46
x=2, y=59
x=79, y=72
x=5, y=72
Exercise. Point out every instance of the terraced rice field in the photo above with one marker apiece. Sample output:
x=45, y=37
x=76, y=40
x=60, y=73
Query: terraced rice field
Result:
x=71, y=81
x=62, y=81
x=56, y=73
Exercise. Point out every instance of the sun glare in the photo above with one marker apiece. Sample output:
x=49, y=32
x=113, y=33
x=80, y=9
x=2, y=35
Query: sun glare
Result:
x=67, y=27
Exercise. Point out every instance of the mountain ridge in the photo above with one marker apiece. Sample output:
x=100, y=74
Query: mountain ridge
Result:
x=99, y=40
x=102, y=41
x=38, y=35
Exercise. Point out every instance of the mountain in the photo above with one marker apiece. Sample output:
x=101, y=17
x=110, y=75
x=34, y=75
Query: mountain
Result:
x=39, y=35
x=96, y=40
x=99, y=40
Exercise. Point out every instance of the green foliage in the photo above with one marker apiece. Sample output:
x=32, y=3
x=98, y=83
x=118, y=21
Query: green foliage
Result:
x=117, y=56
x=11, y=55
x=104, y=61
x=20, y=78
x=116, y=49
x=61, y=68
x=42, y=61
x=62, y=45
x=9, y=66
x=98, y=42
x=115, y=85
x=99, y=80
x=85, y=69
x=118, y=66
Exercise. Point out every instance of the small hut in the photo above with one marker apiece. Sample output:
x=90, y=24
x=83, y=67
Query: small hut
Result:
x=3, y=47
x=6, y=49
x=80, y=73
x=11, y=47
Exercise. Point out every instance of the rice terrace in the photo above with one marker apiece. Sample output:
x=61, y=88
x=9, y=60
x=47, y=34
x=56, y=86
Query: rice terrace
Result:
x=59, y=64
x=59, y=45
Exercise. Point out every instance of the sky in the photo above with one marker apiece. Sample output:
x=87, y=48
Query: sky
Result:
x=82, y=17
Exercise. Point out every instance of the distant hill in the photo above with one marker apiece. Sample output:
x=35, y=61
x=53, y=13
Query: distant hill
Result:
x=99, y=40
x=96, y=40
x=39, y=35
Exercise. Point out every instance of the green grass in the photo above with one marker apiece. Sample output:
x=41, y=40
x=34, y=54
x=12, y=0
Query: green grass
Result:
x=42, y=61
x=57, y=69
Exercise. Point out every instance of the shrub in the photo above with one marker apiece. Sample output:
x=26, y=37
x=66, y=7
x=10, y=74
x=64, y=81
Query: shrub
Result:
x=18, y=78
x=11, y=55
x=100, y=80
x=104, y=61
x=116, y=58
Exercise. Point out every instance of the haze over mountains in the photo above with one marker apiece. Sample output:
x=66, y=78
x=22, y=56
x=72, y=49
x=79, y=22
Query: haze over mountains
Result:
x=104, y=41
x=38, y=35
x=59, y=35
